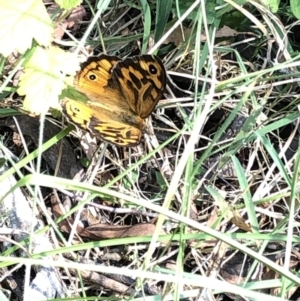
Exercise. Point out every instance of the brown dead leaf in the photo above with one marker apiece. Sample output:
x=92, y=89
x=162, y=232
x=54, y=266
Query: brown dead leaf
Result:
x=102, y=231
x=213, y=218
x=180, y=34
x=111, y=231
x=238, y=220
x=72, y=21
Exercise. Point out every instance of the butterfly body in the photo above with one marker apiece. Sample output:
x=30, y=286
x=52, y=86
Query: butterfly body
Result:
x=120, y=93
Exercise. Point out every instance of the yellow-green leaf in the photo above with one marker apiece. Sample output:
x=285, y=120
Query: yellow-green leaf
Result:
x=68, y=4
x=43, y=80
x=21, y=22
x=295, y=8
x=271, y=4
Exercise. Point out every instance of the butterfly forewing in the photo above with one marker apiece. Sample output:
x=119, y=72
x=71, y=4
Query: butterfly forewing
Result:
x=142, y=81
x=95, y=74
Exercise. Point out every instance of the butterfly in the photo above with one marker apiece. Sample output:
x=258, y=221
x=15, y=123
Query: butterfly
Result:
x=121, y=94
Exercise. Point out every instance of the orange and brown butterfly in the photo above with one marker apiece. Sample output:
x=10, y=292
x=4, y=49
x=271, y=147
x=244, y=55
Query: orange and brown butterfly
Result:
x=121, y=95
